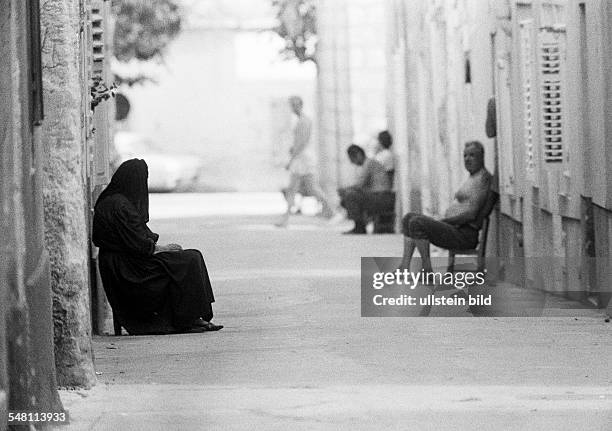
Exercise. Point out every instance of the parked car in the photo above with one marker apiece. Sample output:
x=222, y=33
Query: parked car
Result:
x=168, y=171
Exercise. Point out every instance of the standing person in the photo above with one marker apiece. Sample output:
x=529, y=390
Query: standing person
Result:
x=301, y=163
x=371, y=191
x=152, y=288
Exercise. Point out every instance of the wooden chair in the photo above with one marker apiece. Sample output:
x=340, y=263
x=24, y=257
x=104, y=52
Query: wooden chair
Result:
x=116, y=324
x=384, y=222
x=155, y=324
x=481, y=247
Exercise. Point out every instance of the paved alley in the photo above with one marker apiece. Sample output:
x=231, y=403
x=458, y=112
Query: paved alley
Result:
x=295, y=353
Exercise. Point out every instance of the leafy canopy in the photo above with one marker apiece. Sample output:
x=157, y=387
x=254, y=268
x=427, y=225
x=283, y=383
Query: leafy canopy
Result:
x=143, y=28
x=297, y=25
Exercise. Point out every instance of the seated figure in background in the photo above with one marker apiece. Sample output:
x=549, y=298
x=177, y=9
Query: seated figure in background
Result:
x=384, y=155
x=461, y=223
x=371, y=191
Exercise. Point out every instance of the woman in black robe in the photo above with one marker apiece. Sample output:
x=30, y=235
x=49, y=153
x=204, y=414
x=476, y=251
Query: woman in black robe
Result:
x=151, y=288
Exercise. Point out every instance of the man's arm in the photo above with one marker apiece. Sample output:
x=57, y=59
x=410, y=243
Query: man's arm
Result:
x=301, y=137
x=362, y=177
x=464, y=218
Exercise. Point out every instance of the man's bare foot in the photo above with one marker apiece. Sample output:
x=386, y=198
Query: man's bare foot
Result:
x=282, y=223
x=403, y=266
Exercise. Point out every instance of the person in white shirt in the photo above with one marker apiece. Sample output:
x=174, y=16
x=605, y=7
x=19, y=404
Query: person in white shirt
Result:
x=371, y=191
x=384, y=155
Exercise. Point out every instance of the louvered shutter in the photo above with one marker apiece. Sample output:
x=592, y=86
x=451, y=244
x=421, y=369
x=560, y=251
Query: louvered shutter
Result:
x=526, y=52
x=552, y=55
x=97, y=33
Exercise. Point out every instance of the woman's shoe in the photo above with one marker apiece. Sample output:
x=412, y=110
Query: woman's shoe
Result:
x=207, y=326
x=196, y=329
x=212, y=327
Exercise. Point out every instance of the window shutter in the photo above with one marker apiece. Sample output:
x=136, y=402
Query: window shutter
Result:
x=552, y=54
x=97, y=33
x=526, y=47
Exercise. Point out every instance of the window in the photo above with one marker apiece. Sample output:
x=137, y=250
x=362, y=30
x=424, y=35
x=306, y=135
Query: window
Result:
x=36, y=88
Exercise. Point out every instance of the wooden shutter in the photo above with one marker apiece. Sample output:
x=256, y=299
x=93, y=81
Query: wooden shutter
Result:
x=503, y=101
x=36, y=88
x=526, y=53
x=97, y=35
x=551, y=52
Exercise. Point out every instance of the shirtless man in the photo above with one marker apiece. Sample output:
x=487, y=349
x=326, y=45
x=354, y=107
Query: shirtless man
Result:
x=461, y=223
x=301, y=164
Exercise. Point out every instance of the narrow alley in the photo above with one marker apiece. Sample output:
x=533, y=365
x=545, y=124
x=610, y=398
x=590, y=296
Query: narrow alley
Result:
x=295, y=353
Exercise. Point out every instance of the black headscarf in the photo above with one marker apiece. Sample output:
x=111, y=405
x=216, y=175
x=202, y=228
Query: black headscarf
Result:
x=130, y=180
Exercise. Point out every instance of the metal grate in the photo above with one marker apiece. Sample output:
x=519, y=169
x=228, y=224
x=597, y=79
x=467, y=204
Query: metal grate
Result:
x=551, y=57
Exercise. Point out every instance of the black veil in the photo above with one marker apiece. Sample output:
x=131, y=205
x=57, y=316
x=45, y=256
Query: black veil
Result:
x=130, y=180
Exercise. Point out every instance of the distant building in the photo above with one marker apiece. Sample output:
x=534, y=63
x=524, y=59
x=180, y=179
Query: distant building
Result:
x=222, y=95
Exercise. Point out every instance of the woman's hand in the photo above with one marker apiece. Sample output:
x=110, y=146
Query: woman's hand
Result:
x=169, y=247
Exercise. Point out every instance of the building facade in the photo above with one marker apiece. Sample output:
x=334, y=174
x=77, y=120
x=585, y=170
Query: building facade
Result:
x=27, y=369
x=51, y=162
x=225, y=73
x=539, y=69
x=351, y=86
x=75, y=138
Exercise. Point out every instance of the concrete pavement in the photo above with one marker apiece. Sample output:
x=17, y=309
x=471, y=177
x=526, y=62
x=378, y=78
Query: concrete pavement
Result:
x=295, y=353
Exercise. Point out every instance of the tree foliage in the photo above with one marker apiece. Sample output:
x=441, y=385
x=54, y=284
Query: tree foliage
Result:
x=298, y=27
x=143, y=28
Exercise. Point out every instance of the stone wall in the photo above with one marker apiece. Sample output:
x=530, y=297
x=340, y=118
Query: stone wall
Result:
x=333, y=94
x=351, y=83
x=64, y=187
x=27, y=369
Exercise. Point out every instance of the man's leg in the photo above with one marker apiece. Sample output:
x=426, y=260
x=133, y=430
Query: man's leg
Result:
x=353, y=202
x=415, y=236
x=443, y=234
x=292, y=188
x=426, y=230
x=422, y=246
x=378, y=203
x=315, y=190
x=409, y=247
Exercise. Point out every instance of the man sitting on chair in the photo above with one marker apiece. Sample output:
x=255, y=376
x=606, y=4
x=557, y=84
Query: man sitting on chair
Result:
x=370, y=193
x=461, y=223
